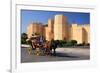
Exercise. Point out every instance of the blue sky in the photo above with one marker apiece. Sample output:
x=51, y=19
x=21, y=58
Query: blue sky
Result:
x=28, y=16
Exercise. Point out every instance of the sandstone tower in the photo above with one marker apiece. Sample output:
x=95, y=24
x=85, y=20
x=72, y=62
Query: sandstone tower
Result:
x=60, y=28
x=50, y=30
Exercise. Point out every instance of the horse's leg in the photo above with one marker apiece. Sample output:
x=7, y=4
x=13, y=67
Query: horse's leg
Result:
x=54, y=51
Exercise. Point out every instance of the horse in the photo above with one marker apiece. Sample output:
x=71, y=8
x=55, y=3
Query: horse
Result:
x=47, y=47
x=54, y=46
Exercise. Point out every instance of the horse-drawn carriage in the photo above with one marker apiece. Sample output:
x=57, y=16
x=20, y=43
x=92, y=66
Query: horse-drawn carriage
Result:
x=38, y=46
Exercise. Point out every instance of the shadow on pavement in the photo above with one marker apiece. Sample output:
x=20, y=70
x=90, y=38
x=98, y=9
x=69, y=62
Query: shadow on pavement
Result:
x=64, y=55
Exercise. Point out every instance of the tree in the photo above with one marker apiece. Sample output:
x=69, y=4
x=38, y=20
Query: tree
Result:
x=73, y=42
x=23, y=38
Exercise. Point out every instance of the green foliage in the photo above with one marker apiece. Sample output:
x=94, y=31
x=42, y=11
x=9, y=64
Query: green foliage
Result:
x=23, y=38
x=73, y=42
x=64, y=43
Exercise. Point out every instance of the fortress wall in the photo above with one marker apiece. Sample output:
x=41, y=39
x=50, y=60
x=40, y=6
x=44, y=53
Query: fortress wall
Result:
x=87, y=31
x=35, y=28
x=74, y=32
x=69, y=32
x=60, y=27
x=44, y=31
x=30, y=30
x=77, y=33
x=51, y=29
x=51, y=25
x=84, y=36
x=40, y=29
x=80, y=33
x=87, y=28
x=47, y=33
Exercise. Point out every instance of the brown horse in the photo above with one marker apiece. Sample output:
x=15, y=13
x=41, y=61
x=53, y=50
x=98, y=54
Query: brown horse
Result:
x=47, y=47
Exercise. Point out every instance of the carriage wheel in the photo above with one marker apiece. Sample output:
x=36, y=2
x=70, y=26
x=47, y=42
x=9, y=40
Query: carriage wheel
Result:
x=37, y=51
x=29, y=51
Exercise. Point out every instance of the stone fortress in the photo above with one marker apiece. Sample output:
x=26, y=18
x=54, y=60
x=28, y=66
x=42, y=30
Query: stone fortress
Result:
x=59, y=29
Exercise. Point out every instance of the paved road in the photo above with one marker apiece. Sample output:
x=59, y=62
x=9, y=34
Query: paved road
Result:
x=63, y=54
